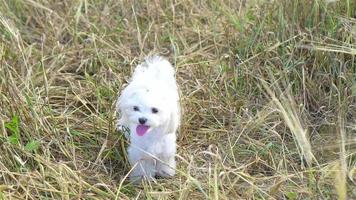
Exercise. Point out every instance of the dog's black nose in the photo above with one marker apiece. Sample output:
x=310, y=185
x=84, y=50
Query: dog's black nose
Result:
x=142, y=120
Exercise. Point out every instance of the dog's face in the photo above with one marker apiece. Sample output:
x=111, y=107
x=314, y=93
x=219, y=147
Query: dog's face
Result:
x=145, y=109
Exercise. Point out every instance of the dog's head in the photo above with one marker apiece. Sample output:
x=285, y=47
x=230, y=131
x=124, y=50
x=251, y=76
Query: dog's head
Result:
x=147, y=108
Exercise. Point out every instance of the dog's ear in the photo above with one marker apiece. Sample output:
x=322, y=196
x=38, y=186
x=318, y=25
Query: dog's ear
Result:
x=123, y=99
x=173, y=121
x=122, y=121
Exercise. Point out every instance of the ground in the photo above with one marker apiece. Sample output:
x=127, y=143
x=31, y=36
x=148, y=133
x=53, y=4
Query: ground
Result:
x=267, y=90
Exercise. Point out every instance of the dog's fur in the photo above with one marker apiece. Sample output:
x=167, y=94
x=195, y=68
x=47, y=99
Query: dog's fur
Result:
x=152, y=88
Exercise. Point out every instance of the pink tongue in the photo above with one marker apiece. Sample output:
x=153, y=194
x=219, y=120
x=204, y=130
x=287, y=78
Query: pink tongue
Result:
x=141, y=129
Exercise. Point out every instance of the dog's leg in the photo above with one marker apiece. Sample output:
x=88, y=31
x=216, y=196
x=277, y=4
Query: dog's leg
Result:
x=166, y=165
x=166, y=168
x=144, y=166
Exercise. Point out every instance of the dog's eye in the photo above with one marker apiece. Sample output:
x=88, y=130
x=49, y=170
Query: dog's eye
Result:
x=135, y=108
x=154, y=110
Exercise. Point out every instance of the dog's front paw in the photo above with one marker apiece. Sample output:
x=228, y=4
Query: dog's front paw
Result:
x=166, y=171
x=135, y=180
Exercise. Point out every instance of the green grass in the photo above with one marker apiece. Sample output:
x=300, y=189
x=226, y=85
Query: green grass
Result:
x=267, y=90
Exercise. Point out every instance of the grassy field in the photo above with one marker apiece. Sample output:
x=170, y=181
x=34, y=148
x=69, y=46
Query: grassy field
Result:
x=268, y=90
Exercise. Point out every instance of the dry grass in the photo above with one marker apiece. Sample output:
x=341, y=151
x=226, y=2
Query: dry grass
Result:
x=268, y=90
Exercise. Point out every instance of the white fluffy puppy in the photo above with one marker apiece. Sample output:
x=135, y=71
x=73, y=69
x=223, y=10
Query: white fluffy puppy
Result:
x=149, y=108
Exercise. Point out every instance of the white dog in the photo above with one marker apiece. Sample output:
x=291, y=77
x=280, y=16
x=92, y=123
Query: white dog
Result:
x=149, y=108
